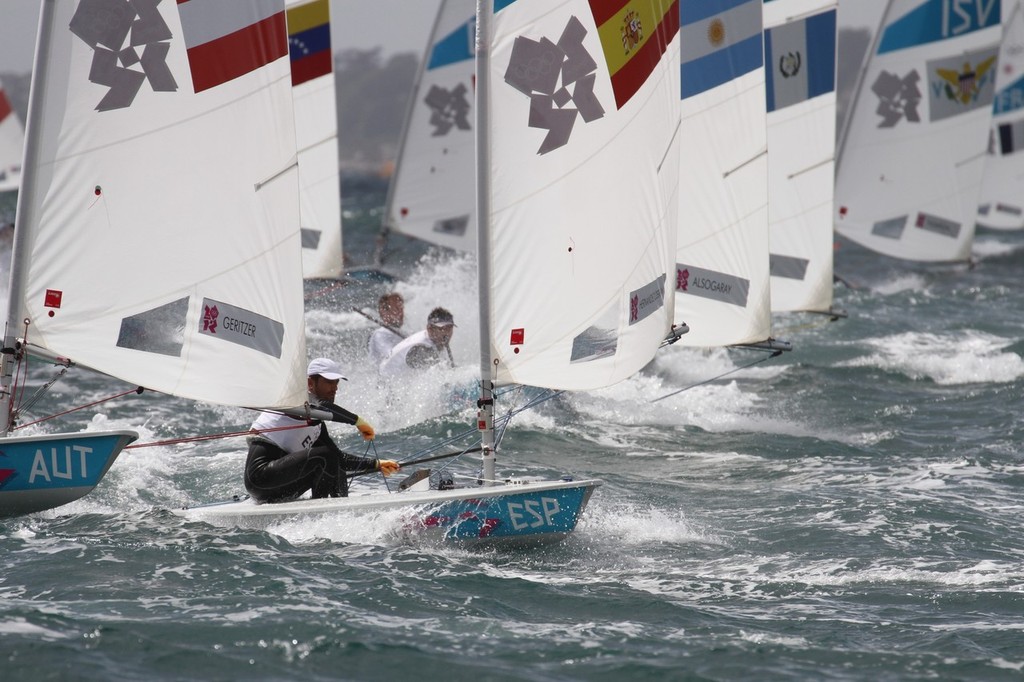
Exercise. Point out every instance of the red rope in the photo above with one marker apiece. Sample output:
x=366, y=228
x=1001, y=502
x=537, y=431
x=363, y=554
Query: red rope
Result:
x=75, y=409
x=321, y=292
x=212, y=436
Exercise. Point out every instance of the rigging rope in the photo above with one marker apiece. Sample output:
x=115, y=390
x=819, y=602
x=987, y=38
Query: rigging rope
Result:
x=211, y=436
x=325, y=290
x=80, y=407
x=707, y=381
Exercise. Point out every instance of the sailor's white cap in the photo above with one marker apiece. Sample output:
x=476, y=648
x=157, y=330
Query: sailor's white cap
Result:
x=326, y=368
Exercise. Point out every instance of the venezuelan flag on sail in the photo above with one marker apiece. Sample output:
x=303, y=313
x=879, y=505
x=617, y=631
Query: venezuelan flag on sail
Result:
x=226, y=40
x=309, y=40
x=634, y=34
x=719, y=40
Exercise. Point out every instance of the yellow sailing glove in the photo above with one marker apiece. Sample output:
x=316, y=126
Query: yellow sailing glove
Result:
x=387, y=466
x=364, y=428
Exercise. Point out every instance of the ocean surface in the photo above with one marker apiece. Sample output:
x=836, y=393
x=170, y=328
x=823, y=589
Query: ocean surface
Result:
x=850, y=510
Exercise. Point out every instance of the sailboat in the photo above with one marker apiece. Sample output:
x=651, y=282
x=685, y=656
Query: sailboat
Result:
x=578, y=169
x=430, y=196
x=1001, y=200
x=316, y=134
x=721, y=273
x=157, y=234
x=912, y=150
x=800, y=70
x=12, y=145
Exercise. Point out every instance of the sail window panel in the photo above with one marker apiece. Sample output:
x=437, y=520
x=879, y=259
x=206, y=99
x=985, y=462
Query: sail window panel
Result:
x=453, y=226
x=891, y=228
x=310, y=238
x=160, y=330
x=600, y=340
x=788, y=267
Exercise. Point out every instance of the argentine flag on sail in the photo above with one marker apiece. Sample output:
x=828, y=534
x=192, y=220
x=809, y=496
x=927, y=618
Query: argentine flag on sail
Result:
x=719, y=40
x=801, y=60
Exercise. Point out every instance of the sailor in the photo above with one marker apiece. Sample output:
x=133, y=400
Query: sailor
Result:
x=391, y=308
x=423, y=349
x=284, y=463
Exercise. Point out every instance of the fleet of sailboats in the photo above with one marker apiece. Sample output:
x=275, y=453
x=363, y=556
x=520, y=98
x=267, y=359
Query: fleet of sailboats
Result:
x=660, y=164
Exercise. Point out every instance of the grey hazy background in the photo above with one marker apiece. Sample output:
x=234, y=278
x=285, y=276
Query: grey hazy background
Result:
x=377, y=47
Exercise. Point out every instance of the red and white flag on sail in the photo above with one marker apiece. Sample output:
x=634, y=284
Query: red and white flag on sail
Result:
x=5, y=105
x=225, y=40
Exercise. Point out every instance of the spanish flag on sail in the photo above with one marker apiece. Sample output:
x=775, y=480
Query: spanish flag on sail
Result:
x=634, y=35
x=309, y=40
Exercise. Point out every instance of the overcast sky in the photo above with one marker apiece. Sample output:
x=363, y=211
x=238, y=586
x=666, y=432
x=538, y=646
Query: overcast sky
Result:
x=354, y=23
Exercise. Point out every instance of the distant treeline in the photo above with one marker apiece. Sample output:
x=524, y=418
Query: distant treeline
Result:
x=373, y=95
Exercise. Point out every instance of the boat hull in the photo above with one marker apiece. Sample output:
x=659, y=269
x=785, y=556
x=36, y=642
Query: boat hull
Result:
x=43, y=472
x=514, y=513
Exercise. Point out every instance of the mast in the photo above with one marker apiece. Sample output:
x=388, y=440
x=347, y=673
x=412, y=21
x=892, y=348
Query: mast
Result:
x=378, y=258
x=485, y=415
x=22, y=219
x=860, y=83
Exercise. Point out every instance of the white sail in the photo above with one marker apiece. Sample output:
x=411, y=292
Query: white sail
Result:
x=912, y=152
x=580, y=164
x=721, y=277
x=316, y=134
x=431, y=194
x=800, y=67
x=157, y=233
x=12, y=145
x=1001, y=200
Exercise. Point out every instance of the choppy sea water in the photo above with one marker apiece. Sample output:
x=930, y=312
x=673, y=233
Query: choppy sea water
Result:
x=848, y=511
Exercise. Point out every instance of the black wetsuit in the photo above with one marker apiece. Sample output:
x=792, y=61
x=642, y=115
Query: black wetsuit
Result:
x=274, y=475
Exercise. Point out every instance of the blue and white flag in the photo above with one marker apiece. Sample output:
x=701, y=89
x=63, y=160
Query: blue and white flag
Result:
x=719, y=40
x=1010, y=98
x=801, y=60
x=935, y=20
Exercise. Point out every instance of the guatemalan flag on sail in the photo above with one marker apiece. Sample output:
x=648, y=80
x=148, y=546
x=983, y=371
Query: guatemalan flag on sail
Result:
x=801, y=58
x=719, y=40
x=226, y=40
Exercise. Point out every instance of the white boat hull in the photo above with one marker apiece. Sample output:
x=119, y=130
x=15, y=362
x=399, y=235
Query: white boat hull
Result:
x=515, y=513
